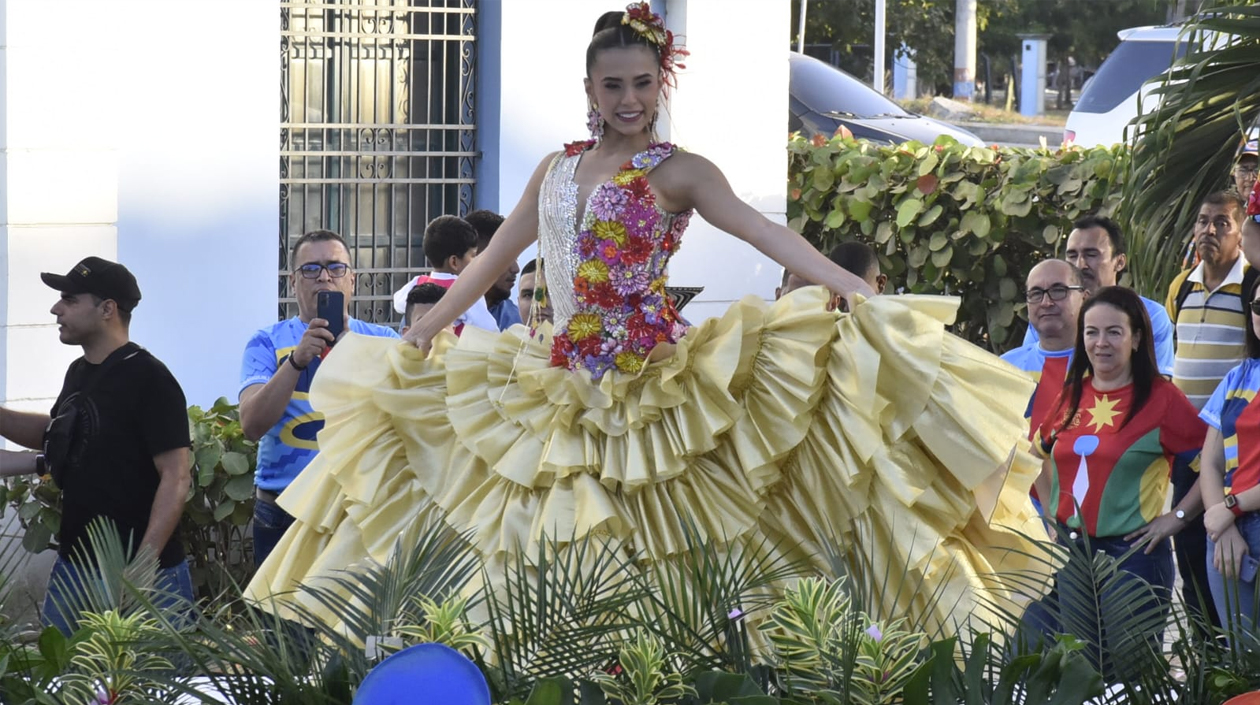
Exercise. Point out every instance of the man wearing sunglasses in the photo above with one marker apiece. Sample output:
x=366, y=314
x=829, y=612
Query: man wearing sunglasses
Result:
x=276, y=374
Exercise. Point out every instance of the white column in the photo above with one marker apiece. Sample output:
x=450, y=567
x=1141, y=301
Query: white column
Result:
x=905, y=75
x=965, y=50
x=1032, y=77
x=880, y=46
x=734, y=55
x=59, y=191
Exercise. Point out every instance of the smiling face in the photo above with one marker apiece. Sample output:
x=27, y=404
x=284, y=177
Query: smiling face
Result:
x=1109, y=341
x=624, y=85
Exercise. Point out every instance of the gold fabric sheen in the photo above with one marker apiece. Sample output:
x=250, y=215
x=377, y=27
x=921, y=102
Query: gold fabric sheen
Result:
x=876, y=428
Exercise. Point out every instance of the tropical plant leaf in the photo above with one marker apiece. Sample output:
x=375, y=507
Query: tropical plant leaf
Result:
x=1185, y=147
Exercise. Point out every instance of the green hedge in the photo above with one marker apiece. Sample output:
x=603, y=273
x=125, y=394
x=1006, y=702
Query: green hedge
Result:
x=951, y=219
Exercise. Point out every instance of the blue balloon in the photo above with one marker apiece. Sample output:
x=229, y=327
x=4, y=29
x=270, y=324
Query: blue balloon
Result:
x=424, y=673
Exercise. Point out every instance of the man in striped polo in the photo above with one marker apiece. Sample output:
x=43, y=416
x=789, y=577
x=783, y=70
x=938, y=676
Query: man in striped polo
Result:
x=1205, y=304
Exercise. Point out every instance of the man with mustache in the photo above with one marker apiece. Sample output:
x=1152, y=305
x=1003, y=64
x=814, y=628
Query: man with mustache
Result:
x=1206, y=304
x=1096, y=247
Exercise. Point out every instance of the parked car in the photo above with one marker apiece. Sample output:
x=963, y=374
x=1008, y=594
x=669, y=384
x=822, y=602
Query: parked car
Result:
x=821, y=98
x=1110, y=99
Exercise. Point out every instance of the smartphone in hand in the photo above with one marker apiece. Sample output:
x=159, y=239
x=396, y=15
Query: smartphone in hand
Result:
x=331, y=306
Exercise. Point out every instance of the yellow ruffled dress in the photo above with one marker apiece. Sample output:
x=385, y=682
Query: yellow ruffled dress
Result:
x=876, y=429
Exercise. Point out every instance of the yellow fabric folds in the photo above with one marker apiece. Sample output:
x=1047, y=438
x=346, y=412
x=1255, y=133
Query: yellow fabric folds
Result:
x=877, y=429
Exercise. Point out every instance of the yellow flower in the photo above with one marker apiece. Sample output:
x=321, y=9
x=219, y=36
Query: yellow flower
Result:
x=624, y=178
x=593, y=271
x=584, y=325
x=657, y=285
x=625, y=361
x=611, y=230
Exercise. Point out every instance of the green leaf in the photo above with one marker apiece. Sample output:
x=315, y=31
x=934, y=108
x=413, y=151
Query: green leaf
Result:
x=235, y=463
x=29, y=510
x=941, y=258
x=908, y=210
x=834, y=219
x=551, y=691
x=938, y=241
x=223, y=509
x=37, y=538
x=928, y=164
x=859, y=210
x=51, y=518
x=883, y=232
x=975, y=222
x=931, y=215
x=239, y=488
x=1051, y=234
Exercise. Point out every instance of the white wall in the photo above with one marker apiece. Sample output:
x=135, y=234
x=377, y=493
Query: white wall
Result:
x=144, y=131
x=730, y=106
x=199, y=183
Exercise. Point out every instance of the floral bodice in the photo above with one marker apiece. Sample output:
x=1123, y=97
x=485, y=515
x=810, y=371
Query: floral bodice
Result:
x=606, y=275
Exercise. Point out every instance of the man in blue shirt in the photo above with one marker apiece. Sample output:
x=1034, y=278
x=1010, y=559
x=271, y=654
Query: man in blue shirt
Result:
x=1096, y=247
x=276, y=373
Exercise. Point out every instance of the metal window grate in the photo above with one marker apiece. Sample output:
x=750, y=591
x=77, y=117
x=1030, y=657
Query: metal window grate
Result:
x=376, y=133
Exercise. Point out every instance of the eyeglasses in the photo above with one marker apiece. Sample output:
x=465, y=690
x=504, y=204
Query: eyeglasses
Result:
x=1058, y=292
x=1255, y=307
x=336, y=270
x=1246, y=170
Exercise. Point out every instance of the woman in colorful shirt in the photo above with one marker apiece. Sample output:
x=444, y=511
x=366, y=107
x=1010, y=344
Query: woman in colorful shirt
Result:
x=1230, y=478
x=790, y=421
x=1111, y=442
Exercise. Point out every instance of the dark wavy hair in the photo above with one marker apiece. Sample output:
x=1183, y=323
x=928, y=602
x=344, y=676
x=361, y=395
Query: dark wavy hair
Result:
x=1145, y=369
x=610, y=33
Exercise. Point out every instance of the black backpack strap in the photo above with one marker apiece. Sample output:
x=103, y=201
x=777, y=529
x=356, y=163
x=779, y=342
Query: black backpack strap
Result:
x=1183, y=293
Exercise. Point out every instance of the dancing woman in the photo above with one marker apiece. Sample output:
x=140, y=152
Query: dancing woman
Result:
x=788, y=421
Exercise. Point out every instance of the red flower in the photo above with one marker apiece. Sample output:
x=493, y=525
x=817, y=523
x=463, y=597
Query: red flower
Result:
x=574, y=148
x=637, y=250
x=581, y=287
x=641, y=191
x=589, y=345
x=818, y=140
x=561, y=349
x=603, y=294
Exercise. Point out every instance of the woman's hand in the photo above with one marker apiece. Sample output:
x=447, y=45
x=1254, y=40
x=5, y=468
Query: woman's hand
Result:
x=1217, y=519
x=417, y=336
x=1231, y=548
x=1161, y=527
x=844, y=300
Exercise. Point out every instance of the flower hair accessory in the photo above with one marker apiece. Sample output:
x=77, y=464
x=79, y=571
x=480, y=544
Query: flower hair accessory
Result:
x=650, y=26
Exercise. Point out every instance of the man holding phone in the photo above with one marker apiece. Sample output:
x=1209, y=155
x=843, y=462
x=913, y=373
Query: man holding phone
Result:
x=279, y=365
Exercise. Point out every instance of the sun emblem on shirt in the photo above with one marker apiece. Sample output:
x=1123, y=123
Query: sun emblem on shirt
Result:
x=1103, y=413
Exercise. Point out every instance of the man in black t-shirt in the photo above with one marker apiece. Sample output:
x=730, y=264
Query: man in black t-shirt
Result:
x=116, y=441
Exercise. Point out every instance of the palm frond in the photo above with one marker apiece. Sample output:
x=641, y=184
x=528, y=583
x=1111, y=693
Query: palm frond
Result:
x=703, y=596
x=431, y=560
x=560, y=612
x=1185, y=146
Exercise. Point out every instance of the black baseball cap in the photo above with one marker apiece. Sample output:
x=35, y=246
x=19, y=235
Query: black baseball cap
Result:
x=100, y=277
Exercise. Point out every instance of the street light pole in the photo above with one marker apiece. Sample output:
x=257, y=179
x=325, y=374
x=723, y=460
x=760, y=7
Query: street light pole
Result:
x=878, y=79
x=800, y=31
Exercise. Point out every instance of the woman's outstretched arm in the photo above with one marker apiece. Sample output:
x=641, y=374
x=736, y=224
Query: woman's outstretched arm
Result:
x=695, y=182
x=513, y=236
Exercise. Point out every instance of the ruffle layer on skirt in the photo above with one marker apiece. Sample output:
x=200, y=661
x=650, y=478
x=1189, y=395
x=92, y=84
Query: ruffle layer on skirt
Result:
x=876, y=429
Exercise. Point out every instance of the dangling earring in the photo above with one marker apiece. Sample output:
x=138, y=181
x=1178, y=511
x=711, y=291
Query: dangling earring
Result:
x=595, y=124
x=652, y=126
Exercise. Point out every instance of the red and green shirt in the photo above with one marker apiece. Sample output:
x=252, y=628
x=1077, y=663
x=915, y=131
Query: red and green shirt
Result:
x=1110, y=477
